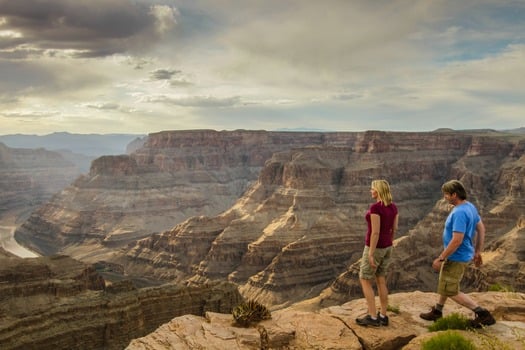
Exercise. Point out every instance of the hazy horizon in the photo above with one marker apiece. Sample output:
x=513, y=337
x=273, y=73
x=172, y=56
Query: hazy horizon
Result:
x=138, y=67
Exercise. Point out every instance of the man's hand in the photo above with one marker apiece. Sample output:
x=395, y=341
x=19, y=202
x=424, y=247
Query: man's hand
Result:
x=436, y=264
x=478, y=260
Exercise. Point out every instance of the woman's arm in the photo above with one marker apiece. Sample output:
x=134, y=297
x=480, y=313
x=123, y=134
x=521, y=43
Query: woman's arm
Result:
x=374, y=238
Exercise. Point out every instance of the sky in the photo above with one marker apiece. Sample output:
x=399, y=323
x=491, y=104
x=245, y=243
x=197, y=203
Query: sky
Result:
x=143, y=66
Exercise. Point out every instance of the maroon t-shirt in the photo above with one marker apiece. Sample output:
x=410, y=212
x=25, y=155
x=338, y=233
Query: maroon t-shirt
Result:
x=387, y=215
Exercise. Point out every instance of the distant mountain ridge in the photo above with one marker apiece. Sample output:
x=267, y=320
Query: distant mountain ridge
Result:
x=93, y=145
x=34, y=167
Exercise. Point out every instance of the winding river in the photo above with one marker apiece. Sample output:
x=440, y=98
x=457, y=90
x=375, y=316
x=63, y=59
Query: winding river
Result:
x=7, y=241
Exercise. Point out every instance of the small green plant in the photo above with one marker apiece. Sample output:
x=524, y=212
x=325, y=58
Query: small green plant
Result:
x=452, y=321
x=448, y=340
x=393, y=308
x=250, y=312
x=496, y=287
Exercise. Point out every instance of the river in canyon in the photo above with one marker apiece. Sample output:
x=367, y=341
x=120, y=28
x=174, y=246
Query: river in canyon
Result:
x=7, y=241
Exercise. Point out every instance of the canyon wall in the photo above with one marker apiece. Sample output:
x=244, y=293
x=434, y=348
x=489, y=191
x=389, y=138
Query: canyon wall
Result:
x=299, y=230
x=282, y=214
x=59, y=303
x=205, y=218
x=494, y=174
x=173, y=176
x=30, y=177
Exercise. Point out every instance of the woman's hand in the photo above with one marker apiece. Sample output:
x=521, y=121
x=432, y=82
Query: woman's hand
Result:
x=372, y=262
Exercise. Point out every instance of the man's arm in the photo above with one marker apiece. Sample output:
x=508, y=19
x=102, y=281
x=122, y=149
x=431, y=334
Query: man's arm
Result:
x=457, y=239
x=479, y=243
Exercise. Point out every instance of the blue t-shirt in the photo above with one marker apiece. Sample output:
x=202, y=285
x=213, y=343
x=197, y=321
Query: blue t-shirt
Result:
x=463, y=218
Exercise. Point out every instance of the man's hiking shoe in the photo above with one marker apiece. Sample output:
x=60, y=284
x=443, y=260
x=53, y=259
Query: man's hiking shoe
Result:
x=432, y=315
x=383, y=321
x=368, y=321
x=483, y=318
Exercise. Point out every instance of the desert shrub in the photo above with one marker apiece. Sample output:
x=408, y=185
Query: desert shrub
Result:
x=250, y=312
x=448, y=340
x=393, y=308
x=496, y=287
x=452, y=321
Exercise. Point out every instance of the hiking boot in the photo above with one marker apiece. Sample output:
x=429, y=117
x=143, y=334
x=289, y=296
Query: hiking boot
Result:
x=432, y=315
x=483, y=318
x=368, y=321
x=383, y=321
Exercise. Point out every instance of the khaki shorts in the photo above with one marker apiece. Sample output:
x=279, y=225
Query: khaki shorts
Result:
x=450, y=277
x=382, y=257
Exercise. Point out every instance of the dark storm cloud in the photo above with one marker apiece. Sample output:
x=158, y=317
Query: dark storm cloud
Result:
x=164, y=74
x=95, y=28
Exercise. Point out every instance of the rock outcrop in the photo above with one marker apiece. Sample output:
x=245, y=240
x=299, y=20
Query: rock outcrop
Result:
x=59, y=303
x=333, y=328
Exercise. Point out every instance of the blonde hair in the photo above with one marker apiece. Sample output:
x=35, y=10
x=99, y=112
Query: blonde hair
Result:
x=383, y=191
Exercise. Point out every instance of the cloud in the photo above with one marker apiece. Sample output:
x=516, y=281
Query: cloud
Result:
x=84, y=29
x=335, y=64
x=30, y=114
x=103, y=105
x=196, y=101
x=164, y=74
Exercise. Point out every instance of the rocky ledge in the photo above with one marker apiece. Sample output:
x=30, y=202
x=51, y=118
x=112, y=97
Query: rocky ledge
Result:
x=301, y=327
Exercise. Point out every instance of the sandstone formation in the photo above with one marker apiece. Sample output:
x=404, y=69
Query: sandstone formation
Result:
x=174, y=176
x=300, y=227
x=58, y=303
x=29, y=177
x=297, y=227
x=279, y=215
x=334, y=328
x=503, y=212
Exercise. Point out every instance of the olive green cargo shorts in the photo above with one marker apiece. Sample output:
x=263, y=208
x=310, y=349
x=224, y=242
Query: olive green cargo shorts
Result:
x=382, y=257
x=450, y=277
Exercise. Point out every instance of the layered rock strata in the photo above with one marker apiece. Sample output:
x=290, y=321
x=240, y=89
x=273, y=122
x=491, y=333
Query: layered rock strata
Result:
x=494, y=173
x=59, y=303
x=30, y=177
x=174, y=176
x=301, y=226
